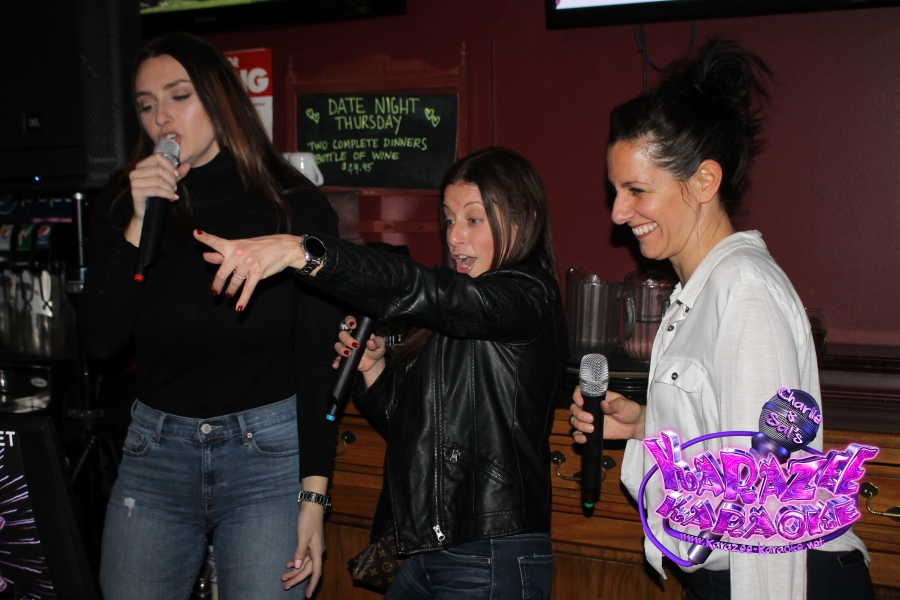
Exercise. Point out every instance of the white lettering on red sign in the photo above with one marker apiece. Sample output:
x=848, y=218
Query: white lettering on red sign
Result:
x=257, y=80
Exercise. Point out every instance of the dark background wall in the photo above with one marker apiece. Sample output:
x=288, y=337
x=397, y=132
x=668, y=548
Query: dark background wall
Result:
x=824, y=195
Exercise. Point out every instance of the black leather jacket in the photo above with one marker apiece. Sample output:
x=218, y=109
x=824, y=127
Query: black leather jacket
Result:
x=468, y=418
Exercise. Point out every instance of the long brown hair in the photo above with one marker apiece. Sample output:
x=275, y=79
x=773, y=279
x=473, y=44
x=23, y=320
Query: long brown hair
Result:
x=238, y=128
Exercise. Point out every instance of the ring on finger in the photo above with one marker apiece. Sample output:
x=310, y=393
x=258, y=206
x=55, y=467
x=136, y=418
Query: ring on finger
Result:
x=241, y=277
x=344, y=327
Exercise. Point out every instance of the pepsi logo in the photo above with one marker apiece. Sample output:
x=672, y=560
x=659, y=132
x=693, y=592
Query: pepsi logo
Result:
x=43, y=232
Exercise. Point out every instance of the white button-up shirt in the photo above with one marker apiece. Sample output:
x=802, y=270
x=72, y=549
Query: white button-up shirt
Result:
x=732, y=336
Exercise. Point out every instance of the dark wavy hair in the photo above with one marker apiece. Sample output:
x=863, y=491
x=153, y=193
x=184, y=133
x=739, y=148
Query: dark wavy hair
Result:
x=703, y=109
x=238, y=128
x=514, y=200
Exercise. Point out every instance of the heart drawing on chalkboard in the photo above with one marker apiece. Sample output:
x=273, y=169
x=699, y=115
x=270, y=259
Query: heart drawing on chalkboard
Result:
x=429, y=113
x=312, y=114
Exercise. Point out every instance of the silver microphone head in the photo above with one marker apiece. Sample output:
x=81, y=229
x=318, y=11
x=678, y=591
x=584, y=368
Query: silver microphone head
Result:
x=594, y=375
x=170, y=149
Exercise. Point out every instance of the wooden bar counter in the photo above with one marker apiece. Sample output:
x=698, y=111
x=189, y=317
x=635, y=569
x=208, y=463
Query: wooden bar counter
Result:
x=602, y=556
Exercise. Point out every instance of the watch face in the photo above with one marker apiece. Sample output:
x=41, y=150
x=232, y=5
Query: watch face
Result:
x=314, y=247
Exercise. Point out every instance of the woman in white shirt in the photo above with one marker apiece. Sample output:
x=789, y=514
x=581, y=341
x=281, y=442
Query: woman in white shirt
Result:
x=735, y=331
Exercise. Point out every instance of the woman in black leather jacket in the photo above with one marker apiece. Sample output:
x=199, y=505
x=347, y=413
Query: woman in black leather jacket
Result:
x=467, y=415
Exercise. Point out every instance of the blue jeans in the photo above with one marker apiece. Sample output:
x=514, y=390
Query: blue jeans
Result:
x=506, y=568
x=236, y=475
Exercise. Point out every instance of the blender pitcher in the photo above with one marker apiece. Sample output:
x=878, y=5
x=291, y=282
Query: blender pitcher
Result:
x=651, y=292
x=594, y=314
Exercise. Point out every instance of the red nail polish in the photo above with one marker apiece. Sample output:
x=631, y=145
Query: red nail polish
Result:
x=227, y=295
x=215, y=293
x=346, y=353
x=352, y=323
x=198, y=232
x=355, y=345
x=240, y=308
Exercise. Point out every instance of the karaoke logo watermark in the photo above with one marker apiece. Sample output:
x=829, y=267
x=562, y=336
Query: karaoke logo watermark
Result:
x=767, y=502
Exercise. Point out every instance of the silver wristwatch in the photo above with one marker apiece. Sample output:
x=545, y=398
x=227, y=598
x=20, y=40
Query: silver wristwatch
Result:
x=313, y=251
x=323, y=500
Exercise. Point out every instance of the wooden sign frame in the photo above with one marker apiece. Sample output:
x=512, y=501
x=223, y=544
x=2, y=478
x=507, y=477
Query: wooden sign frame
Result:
x=380, y=73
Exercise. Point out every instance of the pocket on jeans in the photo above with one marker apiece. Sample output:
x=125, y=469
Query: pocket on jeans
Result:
x=537, y=575
x=276, y=441
x=472, y=553
x=138, y=441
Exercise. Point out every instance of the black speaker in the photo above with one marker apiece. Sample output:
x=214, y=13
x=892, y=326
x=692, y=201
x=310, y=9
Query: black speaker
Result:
x=66, y=116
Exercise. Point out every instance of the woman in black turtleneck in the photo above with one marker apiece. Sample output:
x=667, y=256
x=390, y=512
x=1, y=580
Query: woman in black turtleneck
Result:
x=229, y=417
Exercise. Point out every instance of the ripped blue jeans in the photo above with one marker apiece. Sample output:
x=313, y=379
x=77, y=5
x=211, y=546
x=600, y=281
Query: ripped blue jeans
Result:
x=236, y=475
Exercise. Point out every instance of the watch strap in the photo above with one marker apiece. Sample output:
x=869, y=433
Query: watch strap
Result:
x=323, y=500
x=305, y=271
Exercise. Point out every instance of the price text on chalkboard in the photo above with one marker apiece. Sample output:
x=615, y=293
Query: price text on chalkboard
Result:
x=403, y=141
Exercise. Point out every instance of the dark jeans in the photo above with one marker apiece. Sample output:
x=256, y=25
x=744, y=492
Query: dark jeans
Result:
x=829, y=576
x=506, y=568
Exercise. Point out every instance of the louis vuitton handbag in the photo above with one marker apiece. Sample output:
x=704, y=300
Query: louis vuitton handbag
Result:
x=377, y=565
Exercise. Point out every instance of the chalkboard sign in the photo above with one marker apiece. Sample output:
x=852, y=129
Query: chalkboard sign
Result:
x=400, y=141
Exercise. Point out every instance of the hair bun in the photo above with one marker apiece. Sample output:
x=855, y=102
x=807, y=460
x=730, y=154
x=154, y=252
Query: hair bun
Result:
x=724, y=72
x=701, y=110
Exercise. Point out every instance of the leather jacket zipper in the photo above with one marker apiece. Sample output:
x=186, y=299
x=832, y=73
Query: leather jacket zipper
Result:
x=438, y=533
x=469, y=459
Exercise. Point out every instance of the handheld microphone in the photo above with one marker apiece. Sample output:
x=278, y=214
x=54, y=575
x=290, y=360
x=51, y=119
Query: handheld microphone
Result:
x=593, y=380
x=155, y=216
x=788, y=421
x=347, y=369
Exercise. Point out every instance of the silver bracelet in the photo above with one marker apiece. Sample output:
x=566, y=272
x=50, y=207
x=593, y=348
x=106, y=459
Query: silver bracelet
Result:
x=323, y=500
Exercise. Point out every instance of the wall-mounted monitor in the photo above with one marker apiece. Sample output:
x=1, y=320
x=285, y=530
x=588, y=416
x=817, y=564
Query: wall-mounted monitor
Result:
x=586, y=13
x=159, y=17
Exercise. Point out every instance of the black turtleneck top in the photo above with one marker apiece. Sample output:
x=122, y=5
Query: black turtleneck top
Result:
x=195, y=355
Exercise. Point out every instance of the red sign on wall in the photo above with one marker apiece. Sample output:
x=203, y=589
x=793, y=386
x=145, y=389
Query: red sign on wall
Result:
x=255, y=69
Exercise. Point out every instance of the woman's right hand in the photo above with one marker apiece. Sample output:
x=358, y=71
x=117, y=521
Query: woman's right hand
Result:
x=623, y=419
x=153, y=177
x=372, y=362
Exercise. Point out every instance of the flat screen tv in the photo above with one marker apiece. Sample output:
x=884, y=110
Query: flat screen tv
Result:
x=159, y=17
x=563, y=14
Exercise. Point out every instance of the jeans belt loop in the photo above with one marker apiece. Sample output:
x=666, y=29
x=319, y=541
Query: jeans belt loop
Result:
x=244, y=439
x=157, y=435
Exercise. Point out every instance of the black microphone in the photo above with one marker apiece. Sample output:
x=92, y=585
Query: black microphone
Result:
x=347, y=369
x=593, y=380
x=155, y=216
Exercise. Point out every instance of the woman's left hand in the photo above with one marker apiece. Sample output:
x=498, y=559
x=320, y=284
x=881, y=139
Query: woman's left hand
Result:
x=310, y=548
x=246, y=262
